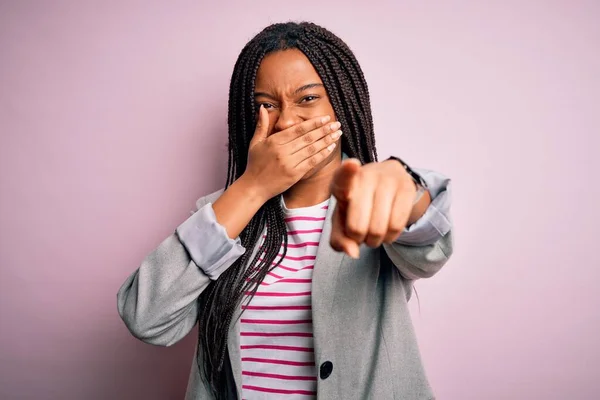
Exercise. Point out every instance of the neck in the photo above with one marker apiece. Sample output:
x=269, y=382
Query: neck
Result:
x=313, y=189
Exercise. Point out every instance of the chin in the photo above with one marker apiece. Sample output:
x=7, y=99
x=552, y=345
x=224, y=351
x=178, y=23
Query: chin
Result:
x=311, y=173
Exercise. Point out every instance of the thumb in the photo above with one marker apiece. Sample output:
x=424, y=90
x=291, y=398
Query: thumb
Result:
x=262, y=126
x=344, y=178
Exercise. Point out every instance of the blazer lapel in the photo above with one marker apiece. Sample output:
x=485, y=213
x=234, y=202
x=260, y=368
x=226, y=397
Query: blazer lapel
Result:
x=327, y=266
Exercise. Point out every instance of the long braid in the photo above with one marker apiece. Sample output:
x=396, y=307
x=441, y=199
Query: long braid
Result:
x=346, y=87
x=335, y=71
x=333, y=58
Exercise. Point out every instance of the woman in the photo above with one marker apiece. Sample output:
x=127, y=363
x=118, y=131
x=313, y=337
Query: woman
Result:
x=299, y=272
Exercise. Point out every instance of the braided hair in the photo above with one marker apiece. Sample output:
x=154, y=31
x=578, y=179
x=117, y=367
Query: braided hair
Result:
x=347, y=90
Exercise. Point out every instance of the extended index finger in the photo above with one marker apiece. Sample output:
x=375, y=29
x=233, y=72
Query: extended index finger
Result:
x=344, y=179
x=291, y=133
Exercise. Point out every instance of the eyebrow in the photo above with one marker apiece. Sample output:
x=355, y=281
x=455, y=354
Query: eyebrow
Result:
x=299, y=90
x=306, y=87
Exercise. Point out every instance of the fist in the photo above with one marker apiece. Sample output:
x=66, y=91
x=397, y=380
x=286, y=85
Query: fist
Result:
x=374, y=203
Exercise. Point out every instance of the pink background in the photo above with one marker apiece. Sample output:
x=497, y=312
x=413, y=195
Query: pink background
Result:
x=112, y=122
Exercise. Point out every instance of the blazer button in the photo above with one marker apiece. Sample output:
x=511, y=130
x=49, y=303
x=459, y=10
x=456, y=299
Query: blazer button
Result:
x=326, y=369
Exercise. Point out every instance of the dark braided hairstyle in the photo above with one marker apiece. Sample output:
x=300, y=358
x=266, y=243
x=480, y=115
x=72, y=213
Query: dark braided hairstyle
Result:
x=347, y=90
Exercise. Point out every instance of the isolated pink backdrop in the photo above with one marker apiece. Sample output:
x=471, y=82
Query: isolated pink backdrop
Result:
x=112, y=123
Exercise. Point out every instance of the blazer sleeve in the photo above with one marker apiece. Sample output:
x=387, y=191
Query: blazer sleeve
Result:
x=424, y=247
x=159, y=301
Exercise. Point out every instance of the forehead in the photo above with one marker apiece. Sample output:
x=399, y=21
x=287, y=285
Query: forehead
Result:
x=287, y=69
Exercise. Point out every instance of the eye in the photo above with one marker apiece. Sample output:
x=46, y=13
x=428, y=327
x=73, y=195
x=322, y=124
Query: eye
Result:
x=268, y=106
x=308, y=99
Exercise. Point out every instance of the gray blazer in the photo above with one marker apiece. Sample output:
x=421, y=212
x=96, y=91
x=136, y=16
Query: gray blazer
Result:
x=364, y=341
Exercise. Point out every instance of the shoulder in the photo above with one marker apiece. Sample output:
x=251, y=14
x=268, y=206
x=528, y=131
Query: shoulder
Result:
x=209, y=198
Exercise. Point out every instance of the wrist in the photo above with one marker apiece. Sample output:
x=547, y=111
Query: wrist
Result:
x=420, y=193
x=419, y=207
x=251, y=191
x=419, y=183
x=422, y=197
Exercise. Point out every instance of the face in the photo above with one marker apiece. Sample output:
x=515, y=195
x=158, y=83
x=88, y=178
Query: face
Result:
x=290, y=88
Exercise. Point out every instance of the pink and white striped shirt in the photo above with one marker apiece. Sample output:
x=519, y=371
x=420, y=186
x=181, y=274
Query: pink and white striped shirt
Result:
x=276, y=327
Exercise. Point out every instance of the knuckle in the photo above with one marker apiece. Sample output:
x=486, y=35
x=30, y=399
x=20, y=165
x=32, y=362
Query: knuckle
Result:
x=280, y=163
x=307, y=138
x=372, y=241
x=285, y=170
x=377, y=234
x=334, y=241
x=313, y=161
x=298, y=130
x=395, y=227
x=391, y=236
x=337, y=247
x=311, y=149
x=354, y=230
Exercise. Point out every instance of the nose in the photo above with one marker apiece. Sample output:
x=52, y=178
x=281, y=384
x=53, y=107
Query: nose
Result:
x=286, y=119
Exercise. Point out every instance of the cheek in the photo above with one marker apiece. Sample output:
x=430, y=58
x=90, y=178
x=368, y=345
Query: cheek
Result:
x=321, y=109
x=327, y=109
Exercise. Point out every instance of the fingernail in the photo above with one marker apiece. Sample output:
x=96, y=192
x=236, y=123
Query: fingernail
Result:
x=352, y=253
x=325, y=119
x=331, y=147
x=335, y=125
x=336, y=134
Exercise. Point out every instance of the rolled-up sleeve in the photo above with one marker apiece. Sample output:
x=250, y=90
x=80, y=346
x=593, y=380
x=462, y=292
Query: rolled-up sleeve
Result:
x=436, y=222
x=207, y=242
